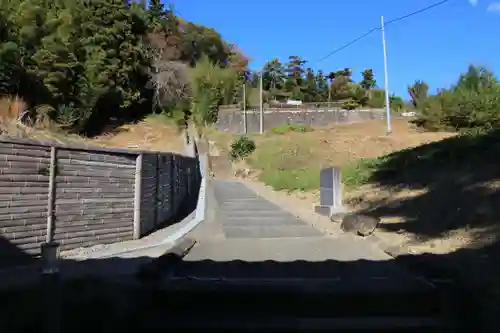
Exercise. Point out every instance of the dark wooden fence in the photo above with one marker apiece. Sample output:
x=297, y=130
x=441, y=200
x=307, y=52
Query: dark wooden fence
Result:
x=83, y=196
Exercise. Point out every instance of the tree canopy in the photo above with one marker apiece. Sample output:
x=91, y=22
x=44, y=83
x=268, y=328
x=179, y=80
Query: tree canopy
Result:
x=88, y=61
x=85, y=63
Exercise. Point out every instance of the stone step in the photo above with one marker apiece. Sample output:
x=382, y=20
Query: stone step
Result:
x=262, y=232
x=254, y=204
x=243, y=221
x=259, y=211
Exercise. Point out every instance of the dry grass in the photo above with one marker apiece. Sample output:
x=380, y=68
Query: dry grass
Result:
x=154, y=133
x=292, y=160
x=10, y=110
x=341, y=143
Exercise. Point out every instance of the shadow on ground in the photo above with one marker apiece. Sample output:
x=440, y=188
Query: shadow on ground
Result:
x=450, y=186
x=11, y=255
x=131, y=295
x=458, y=178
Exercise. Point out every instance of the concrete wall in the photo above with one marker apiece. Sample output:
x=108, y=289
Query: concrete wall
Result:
x=95, y=196
x=232, y=121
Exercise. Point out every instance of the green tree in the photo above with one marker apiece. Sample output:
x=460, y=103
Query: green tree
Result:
x=310, y=87
x=157, y=14
x=198, y=40
x=368, y=81
x=397, y=104
x=418, y=92
x=475, y=79
x=322, y=86
x=210, y=84
x=295, y=77
x=273, y=77
x=340, y=85
x=92, y=60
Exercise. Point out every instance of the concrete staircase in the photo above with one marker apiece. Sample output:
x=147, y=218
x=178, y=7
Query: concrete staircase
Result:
x=257, y=267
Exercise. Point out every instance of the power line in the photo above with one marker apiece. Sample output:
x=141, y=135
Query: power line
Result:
x=417, y=12
x=378, y=28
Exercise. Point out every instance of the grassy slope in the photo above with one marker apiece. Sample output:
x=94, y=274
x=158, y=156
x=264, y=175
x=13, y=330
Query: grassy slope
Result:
x=292, y=161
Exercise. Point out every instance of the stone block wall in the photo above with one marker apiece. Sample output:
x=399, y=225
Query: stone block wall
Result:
x=85, y=196
x=232, y=120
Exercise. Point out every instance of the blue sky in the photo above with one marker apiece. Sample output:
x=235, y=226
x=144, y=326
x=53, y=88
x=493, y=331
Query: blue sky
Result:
x=434, y=46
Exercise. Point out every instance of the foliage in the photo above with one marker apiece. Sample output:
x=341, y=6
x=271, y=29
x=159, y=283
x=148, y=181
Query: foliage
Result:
x=350, y=104
x=368, y=82
x=95, y=61
x=472, y=104
x=302, y=179
x=418, y=92
x=212, y=86
x=377, y=99
x=358, y=173
x=397, y=103
x=242, y=148
x=286, y=128
x=92, y=62
x=293, y=80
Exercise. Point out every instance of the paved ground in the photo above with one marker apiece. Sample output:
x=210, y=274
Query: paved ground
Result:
x=254, y=238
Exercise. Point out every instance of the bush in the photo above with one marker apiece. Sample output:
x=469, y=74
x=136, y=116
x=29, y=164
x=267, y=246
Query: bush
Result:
x=211, y=86
x=358, y=173
x=282, y=129
x=351, y=104
x=473, y=104
x=242, y=148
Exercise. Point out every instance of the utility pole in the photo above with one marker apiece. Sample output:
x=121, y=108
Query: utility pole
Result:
x=245, y=129
x=261, y=124
x=387, y=103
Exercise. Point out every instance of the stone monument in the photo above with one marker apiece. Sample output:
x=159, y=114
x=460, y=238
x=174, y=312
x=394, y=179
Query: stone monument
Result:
x=330, y=193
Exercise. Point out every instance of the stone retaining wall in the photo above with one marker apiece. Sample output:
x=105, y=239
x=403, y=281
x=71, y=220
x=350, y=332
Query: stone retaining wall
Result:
x=232, y=121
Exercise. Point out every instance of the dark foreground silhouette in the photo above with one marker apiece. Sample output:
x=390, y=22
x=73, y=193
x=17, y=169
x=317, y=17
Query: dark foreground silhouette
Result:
x=116, y=297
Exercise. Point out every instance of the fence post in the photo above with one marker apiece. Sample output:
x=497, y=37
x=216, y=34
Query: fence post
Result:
x=157, y=189
x=138, y=196
x=52, y=195
x=171, y=179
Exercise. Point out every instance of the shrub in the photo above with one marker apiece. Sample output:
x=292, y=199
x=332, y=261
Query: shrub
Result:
x=282, y=129
x=473, y=104
x=211, y=86
x=351, y=104
x=242, y=148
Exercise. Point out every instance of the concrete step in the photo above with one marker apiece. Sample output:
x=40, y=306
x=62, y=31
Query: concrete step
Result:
x=241, y=221
x=262, y=232
x=262, y=213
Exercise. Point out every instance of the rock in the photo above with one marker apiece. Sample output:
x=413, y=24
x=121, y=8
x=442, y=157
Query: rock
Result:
x=363, y=225
x=337, y=217
x=243, y=173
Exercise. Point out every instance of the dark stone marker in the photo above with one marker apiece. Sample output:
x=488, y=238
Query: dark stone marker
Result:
x=330, y=193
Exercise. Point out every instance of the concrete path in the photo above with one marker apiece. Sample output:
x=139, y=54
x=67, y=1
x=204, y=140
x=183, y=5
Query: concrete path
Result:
x=253, y=238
